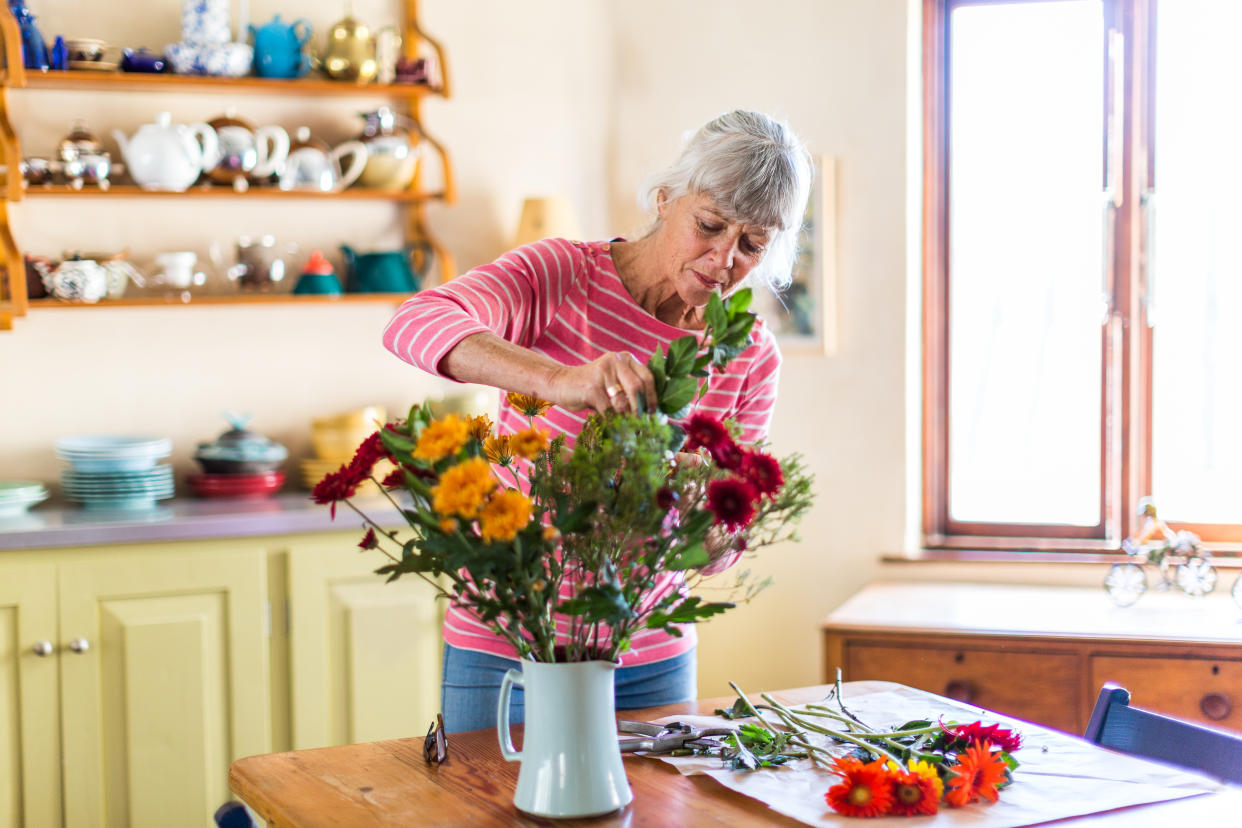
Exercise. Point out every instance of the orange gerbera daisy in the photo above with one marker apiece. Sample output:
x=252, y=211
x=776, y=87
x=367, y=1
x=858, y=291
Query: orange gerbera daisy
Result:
x=865, y=790
x=528, y=443
x=977, y=773
x=441, y=438
x=916, y=790
x=529, y=405
x=498, y=449
x=480, y=427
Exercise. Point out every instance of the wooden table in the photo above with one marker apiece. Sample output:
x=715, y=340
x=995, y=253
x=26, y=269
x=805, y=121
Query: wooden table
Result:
x=389, y=783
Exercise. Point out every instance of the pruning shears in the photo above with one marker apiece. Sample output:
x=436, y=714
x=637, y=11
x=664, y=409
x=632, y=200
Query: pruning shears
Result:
x=666, y=738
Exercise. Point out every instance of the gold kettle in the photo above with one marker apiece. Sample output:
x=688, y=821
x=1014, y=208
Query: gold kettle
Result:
x=350, y=53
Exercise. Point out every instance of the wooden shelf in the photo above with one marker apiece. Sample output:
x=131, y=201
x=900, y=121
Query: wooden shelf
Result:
x=147, y=82
x=174, y=299
x=215, y=191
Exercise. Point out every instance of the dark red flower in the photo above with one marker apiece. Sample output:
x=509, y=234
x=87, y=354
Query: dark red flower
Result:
x=395, y=479
x=369, y=541
x=727, y=454
x=1003, y=738
x=335, y=486
x=370, y=452
x=703, y=431
x=666, y=498
x=763, y=471
x=732, y=501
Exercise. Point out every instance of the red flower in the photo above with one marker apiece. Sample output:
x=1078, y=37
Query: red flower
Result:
x=369, y=540
x=666, y=498
x=727, y=455
x=977, y=774
x=732, y=501
x=395, y=479
x=370, y=452
x=763, y=471
x=706, y=432
x=1003, y=738
x=865, y=790
x=335, y=486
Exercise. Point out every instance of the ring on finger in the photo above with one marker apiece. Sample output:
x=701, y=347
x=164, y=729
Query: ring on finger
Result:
x=613, y=391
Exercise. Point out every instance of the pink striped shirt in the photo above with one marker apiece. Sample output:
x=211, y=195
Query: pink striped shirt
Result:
x=564, y=300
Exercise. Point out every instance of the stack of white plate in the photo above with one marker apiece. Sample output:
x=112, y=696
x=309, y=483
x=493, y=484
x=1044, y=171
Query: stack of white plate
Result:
x=116, y=472
x=16, y=496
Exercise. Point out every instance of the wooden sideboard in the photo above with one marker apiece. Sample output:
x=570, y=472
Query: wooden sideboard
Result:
x=1042, y=653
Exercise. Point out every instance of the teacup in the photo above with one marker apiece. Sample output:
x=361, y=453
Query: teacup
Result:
x=86, y=49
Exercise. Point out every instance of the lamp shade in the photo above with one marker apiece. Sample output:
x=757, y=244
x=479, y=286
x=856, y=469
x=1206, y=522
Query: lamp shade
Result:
x=546, y=217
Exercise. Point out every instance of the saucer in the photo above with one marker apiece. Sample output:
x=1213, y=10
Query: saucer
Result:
x=96, y=65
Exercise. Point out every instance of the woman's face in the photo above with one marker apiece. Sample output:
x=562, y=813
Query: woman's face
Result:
x=704, y=252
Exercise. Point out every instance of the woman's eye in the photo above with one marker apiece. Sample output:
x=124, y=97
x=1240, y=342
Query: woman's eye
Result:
x=751, y=247
x=709, y=228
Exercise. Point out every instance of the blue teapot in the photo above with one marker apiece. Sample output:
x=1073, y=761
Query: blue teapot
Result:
x=278, y=49
x=390, y=271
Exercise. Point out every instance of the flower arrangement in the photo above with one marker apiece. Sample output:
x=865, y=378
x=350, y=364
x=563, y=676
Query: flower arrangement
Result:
x=907, y=771
x=613, y=536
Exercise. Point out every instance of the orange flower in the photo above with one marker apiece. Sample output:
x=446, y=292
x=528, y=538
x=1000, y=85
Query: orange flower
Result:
x=529, y=405
x=977, y=773
x=480, y=427
x=441, y=438
x=865, y=790
x=506, y=514
x=528, y=443
x=498, y=449
x=448, y=525
x=917, y=790
x=463, y=488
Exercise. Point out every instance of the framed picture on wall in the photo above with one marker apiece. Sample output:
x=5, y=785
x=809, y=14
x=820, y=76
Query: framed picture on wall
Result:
x=803, y=316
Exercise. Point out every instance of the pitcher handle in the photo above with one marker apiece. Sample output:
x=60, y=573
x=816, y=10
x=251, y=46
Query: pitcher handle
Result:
x=357, y=152
x=272, y=144
x=512, y=677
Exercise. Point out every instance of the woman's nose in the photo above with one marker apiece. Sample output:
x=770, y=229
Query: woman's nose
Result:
x=724, y=251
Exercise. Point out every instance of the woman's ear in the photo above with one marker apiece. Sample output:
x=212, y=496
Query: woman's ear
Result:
x=661, y=203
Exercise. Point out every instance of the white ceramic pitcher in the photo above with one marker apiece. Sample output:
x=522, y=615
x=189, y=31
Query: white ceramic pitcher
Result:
x=571, y=763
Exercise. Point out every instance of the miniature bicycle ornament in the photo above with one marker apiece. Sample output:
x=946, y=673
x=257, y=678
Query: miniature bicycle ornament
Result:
x=1180, y=557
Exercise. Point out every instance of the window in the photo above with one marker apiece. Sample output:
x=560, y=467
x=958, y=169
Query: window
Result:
x=1083, y=270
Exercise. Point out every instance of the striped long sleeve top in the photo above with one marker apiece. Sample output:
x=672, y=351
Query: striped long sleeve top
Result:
x=564, y=299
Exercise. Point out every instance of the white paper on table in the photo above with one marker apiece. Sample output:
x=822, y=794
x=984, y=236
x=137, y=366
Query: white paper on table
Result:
x=1058, y=776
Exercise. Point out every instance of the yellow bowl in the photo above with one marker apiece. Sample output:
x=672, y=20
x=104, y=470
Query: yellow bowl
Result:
x=336, y=444
x=368, y=418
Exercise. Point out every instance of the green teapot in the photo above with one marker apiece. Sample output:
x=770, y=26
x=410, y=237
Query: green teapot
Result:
x=390, y=271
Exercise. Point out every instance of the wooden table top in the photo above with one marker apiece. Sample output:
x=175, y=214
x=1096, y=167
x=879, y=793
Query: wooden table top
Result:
x=389, y=783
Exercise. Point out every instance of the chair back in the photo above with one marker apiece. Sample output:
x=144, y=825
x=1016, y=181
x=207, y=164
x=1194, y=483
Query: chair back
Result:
x=1115, y=724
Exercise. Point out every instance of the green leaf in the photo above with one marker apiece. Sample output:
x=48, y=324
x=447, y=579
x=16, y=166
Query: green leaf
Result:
x=681, y=353
x=679, y=393
x=717, y=317
x=688, y=558
x=395, y=441
x=739, y=302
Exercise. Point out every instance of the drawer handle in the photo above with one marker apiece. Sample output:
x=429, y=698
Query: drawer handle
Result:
x=1215, y=706
x=960, y=690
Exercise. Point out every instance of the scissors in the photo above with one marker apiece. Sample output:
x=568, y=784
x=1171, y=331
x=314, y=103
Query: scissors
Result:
x=665, y=738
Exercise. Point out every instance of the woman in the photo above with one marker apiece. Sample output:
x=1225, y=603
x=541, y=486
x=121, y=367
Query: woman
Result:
x=574, y=323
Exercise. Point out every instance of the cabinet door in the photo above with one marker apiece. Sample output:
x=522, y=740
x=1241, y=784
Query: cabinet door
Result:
x=1199, y=689
x=167, y=686
x=364, y=654
x=29, y=717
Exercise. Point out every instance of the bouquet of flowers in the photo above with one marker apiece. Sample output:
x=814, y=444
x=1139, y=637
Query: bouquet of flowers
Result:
x=612, y=536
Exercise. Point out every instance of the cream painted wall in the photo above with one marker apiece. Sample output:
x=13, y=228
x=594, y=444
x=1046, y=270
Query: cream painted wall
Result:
x=586, y=102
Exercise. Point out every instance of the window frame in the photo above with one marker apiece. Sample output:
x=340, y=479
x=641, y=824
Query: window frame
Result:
x=1126, y=386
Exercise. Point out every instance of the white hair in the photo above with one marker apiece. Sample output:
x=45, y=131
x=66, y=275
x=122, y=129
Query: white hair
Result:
x=756, y=171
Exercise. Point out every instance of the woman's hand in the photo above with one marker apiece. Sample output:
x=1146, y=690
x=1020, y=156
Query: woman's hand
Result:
x=613, y=382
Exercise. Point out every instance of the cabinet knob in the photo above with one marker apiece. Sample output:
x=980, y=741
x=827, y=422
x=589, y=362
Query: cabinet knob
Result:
x=79, y=645
x=43, y=648
x=960, y=690
x=1215, y=706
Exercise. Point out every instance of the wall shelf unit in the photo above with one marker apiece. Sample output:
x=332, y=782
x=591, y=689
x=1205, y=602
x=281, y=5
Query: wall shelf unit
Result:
x=13, y=299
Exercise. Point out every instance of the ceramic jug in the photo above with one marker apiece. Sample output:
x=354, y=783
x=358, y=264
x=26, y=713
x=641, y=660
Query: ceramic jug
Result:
x=278, y=48
x=312, y=166
x=571, y=763
x=166, y=156
x=388, y=271
x=393, y=150
x=244, y=152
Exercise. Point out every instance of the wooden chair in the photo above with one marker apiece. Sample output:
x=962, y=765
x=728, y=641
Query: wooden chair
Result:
x=1115, y=724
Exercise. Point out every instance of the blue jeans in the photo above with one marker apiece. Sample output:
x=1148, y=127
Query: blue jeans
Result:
x=470, y=687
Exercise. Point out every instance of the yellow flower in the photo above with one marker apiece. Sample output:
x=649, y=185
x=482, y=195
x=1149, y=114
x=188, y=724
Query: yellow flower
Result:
x=551, y=533
x=463, y=488
x=498, y=449
x=442, y=438
x=504, y=515
x=448, y=525
x=480, y=427
x=527, y=404
x=528, y=443
x=928, y=771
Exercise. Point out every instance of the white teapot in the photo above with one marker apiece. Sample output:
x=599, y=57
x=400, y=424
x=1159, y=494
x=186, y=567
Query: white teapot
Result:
x=311, y=165
x=167, y=156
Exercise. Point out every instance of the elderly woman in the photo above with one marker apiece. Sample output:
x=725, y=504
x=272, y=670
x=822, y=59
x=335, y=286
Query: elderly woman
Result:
x=574, y=323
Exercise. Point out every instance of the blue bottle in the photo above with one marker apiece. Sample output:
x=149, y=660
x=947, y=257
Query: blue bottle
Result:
x=34, y=48
x=60, y=54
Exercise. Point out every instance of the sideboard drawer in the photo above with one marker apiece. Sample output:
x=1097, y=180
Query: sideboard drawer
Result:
x=1041, y=687
x=1201, y=689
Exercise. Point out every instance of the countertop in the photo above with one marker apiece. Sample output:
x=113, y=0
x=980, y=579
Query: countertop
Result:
x=51, y=525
